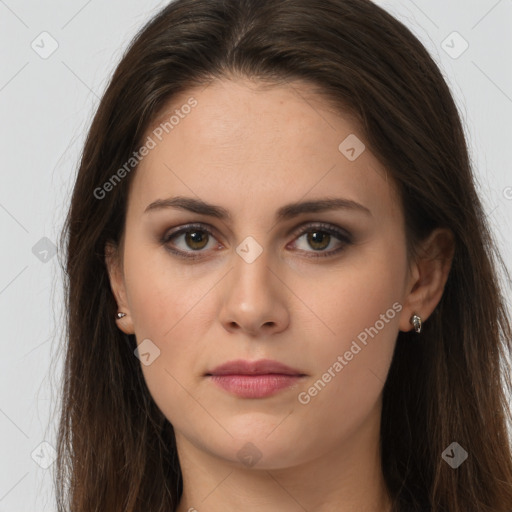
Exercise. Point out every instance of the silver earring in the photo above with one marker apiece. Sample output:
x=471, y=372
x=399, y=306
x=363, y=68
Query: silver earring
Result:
x=120, y=315
x=416, y=322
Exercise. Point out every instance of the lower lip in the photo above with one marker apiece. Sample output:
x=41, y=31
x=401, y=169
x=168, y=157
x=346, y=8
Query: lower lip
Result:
x=255, y=386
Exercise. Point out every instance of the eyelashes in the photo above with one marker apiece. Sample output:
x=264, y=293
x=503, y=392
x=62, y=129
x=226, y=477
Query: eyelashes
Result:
x=200, y=235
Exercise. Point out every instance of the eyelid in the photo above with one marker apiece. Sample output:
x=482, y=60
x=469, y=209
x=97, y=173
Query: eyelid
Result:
x=322, y=226
x=179, y=230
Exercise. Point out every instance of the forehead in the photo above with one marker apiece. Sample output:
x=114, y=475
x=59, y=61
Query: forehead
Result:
x=250, y=146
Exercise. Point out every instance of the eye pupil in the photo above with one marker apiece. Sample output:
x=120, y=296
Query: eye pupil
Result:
x=315, y=239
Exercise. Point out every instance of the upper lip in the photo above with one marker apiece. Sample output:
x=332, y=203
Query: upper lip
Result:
x=261, y=367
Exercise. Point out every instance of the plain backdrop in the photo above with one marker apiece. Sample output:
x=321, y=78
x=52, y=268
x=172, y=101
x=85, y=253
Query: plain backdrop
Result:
x=56, y=58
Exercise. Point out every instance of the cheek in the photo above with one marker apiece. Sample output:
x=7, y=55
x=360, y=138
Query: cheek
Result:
x=171, y=308
x=360, y=306
x=163, y=293
x=353, y=294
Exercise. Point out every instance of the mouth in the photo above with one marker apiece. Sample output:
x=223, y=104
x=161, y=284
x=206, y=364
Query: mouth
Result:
x=260, y=367
x=254, y=379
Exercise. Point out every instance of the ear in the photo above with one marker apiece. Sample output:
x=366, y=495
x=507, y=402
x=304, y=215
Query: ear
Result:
x=114, y=264
x=428, y=276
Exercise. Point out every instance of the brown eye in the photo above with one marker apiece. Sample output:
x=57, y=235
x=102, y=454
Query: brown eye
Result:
x=196, y=239
x=319, y=237
x=318, y=240
x=189, y=240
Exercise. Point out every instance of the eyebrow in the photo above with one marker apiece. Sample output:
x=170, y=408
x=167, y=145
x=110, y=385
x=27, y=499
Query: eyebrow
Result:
x=286, y=212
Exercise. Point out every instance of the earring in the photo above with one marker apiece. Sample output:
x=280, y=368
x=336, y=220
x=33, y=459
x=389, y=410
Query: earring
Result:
x=416, y=321
x=120, y=315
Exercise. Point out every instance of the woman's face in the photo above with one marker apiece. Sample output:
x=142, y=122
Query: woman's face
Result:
x=320, y=290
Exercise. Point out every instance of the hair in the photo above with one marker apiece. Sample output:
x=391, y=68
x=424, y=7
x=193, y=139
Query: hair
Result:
x=116, y=450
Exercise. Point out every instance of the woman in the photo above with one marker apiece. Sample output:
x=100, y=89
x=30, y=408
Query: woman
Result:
x=282, y=290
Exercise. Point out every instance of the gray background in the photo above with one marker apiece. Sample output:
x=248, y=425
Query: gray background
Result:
x=46, y=105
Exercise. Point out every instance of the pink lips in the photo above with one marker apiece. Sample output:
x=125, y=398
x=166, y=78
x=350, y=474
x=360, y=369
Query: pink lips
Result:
x=254, y=379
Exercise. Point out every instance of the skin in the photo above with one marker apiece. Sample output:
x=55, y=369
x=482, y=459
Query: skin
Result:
x=252, y=150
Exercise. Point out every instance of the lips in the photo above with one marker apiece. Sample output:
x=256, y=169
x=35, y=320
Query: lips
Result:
x=261, y=367
x=254, y=379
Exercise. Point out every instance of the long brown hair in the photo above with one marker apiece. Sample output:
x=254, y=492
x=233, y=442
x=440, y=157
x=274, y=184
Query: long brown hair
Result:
x=116, y=450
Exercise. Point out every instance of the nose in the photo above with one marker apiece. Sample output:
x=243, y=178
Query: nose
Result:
x=254, y=298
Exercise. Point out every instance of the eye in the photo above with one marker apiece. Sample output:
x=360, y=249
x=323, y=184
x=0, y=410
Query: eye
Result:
x=320, y=236
x=196, y=237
